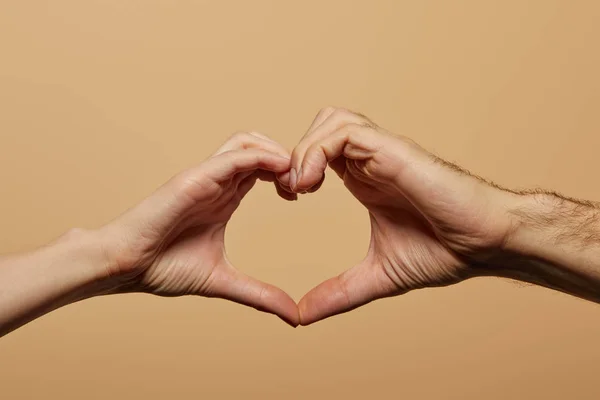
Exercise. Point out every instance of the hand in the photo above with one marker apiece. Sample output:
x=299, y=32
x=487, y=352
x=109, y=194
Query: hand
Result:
x=430, y=221
x=172, y=244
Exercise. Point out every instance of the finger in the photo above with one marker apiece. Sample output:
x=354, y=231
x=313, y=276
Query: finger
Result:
x=246, y=140
x=338, y=166
x=321, y=116
x=317, y=186
x=336, y=119
x=285, y=194
x=265, y=176
x=193, y=183
x=224, y=166
x=252, y=140
x=247, y=183
x=312, y=189
x=280, y=186
x=233, y=285
x=352, y=289
x=284, y=190
x=283, y=182
x=352, y=141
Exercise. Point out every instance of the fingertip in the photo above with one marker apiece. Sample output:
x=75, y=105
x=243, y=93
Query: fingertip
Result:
x=283, y=164
x=305, y=320
x=272, y=162
x=307, y=314
x=282, y=305
x=308, y=180
x=284, y=178
x=289, y=196
x=329, y=298
x=317, y=186
x=234, y=285
x=294, y=322
x=284, y=193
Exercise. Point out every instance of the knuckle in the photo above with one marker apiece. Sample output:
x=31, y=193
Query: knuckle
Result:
x=258, y=135
x=298, y=151
x=353, y=127
x=313, y=155
x=185, y=183
x=352, y=130
x=238, y=136
x=242, y=140
x=259, y=156
x=315, y=147
x=344, y=114
x=74, y=234
x=327, y=110
x=341, y=113
x=227, y=154
x=311, y=162
x=363, y=118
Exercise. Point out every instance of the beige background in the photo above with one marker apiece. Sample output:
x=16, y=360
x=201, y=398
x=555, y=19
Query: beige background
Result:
x=102, y=101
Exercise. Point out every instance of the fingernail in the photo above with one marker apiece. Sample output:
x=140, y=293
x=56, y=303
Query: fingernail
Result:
x=299, y=176
x=293, y=179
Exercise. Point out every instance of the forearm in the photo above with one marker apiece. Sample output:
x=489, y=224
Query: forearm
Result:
x=32, y=284
x=555, y=243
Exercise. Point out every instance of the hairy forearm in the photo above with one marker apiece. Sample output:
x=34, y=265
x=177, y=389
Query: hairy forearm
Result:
x=32, y=284
x=555, y=243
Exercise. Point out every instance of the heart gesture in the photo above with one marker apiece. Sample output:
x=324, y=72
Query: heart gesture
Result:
x=432, y=224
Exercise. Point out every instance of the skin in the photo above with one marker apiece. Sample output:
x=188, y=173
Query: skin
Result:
x=432, y=224
x=171, y=244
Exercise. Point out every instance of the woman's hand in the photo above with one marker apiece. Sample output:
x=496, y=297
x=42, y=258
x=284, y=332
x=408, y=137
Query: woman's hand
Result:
x=172, y=244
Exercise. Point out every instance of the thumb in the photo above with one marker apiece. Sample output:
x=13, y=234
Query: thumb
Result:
x=356, y=287
x=230, y=284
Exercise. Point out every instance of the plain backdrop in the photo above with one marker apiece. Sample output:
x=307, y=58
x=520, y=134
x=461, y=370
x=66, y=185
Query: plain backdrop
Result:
x=101, y=101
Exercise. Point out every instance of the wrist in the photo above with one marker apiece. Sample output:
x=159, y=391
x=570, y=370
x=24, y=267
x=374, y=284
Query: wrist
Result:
x=517, y=214
x=545, y=224
x=550, y=229
x=87, y=249
x=95, y=255
x=555, y=242
x=526, y=212
x=125, y=255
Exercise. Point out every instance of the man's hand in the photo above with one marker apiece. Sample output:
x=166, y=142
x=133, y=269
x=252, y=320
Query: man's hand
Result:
x=172, y=244
x=430, y=221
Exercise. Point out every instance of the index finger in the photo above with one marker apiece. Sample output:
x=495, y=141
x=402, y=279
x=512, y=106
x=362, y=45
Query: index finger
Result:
x=230, y=163
x=335, y=120
x=352, y=142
